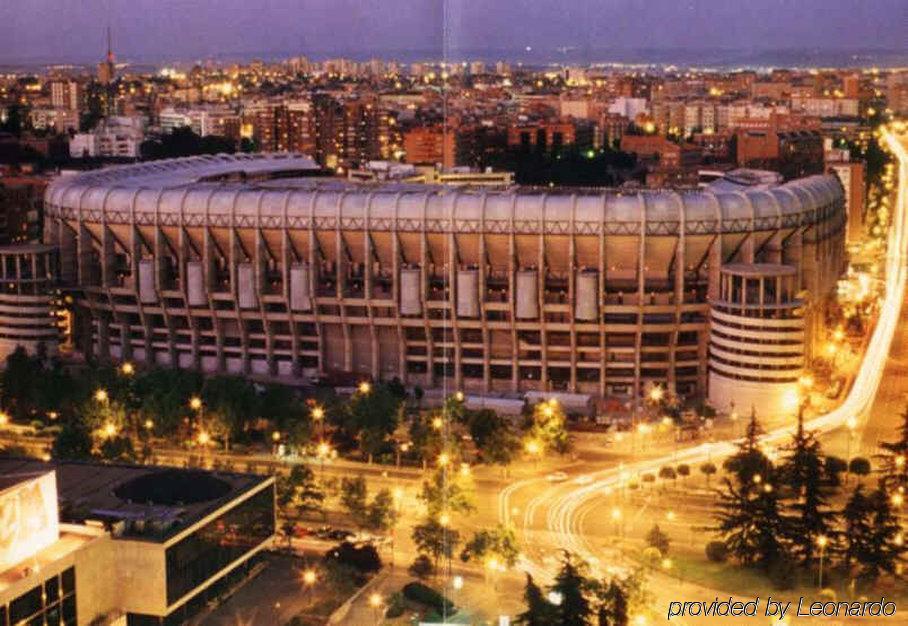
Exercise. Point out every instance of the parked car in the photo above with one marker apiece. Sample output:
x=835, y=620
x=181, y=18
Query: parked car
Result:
x=557, y=477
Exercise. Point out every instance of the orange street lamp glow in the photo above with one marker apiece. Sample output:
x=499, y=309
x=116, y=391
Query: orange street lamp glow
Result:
x=459, y=396
x=101, y=395
x=4, y=418
x=375, y=600
x=195, y=403
x=275, y=436
x=149, y=424
x=365, y=387
x=443, y=459
x=127, y=369
x=656, y=393
x=437, y=423
x=318, y=413
x=444, y=519
x=309, y=577
x=323, y=450
x=110, y=429
x=532, y=447
x=204, y=438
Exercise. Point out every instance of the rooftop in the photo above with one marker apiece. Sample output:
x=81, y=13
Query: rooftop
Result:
x=140, y=502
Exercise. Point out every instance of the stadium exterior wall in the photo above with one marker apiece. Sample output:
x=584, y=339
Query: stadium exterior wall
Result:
x=252, y=265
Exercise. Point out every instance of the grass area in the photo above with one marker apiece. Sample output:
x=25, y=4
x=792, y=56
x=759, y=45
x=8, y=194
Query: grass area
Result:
x=689, y=566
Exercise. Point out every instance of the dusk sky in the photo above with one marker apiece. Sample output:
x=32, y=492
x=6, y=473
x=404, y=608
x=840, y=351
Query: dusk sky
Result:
x=61, y=30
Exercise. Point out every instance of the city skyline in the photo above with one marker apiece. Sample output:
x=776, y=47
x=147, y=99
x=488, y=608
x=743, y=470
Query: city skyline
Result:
x=844, y=32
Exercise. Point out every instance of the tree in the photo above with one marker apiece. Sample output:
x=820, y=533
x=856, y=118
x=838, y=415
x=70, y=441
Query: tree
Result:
x=894, y=459
x=421, y=567
x=749, y=521
x=570, y=585
x=806, y=486
x=446, y=491
x=859, y=466
x=372, y=417
x=499, y=543
x=549, y=427
x=657, y=539
x=872, y=535
x=72, y=443
x=20, y=379
x=683, y=471
x=613, y=607
x=230, y=404
x=539, y=611
x=300, y=490
x=381, y=514
x=749, y=460
x=354, y=499
x=162, y=397
x=708, y=469
x=435, y=540
x=117, y=450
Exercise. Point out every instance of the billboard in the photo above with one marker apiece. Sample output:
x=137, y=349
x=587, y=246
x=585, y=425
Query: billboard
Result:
x=29, y=520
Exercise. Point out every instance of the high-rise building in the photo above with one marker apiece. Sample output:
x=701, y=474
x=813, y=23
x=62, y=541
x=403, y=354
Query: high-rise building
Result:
x=66, y=94
x=429, y=145
x=284, y=127
x=106, y=69
x=851, y=175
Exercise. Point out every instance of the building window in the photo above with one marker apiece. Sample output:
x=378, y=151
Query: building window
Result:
x=211, y=548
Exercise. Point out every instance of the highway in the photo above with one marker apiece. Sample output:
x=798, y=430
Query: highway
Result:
x=566, y=506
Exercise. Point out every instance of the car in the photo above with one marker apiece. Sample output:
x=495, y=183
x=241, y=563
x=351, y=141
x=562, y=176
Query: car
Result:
x=339, y=534
x=322, y=532
x=584, y=479
x=301, y=532
x=557, y=477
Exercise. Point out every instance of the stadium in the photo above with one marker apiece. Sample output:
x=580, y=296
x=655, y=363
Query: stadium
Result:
x=261, y=265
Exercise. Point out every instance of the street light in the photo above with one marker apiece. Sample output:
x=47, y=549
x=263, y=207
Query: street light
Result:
x=443, y=459
x=364, y=387
x=309, y=580
x=127, y=369
x=656, y=393
x=323, y=450
x=4, y=418
x=101, y=395
x=195, y=403
x=110, y=430
x=204, y=438
x=375, y=601
x=822, y=542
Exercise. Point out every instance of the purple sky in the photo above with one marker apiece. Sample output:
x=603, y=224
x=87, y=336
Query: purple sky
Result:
x=58, y=30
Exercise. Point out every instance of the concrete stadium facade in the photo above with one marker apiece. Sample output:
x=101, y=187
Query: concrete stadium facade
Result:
x=255, y=265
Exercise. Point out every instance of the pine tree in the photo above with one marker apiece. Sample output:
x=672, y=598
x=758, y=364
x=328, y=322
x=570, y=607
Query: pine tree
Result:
x=750, y=523
x=749, y=460
x=613, y=608
x=806, y=485
x=539, y=612
x=886, y=545
x=894, y=461
x=570, y=585
x=748, y=518
x=857, y=518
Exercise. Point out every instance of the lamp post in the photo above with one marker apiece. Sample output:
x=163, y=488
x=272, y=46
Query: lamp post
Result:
x=309, y=580
x=851, y=423
x=822, y=542
x=375, y=601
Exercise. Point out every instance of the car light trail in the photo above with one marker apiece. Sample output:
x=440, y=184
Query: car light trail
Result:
x=567, y=507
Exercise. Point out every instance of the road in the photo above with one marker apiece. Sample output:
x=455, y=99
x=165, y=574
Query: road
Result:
x=557, y=517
